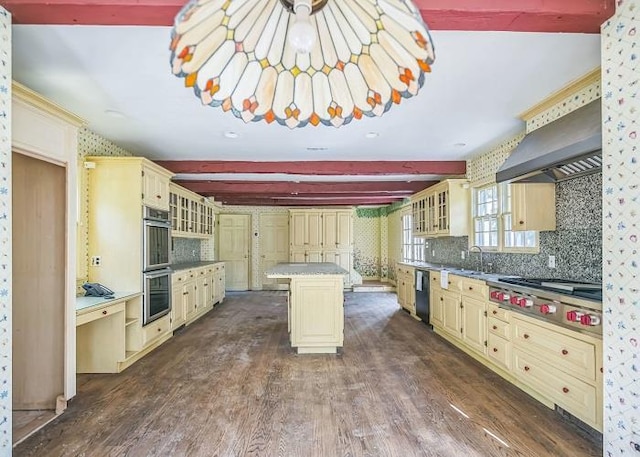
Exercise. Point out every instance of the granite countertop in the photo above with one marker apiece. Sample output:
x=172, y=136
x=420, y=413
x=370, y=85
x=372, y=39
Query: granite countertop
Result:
x=189, y=265
x=83, y=303
x=456, y=271
x=285, y=270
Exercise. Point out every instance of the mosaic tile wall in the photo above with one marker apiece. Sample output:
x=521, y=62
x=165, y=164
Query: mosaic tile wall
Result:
x=577, y=242
x=5, y=233
x=89, y=144
x=185, y=250
x=367, y=241
x=621, y=181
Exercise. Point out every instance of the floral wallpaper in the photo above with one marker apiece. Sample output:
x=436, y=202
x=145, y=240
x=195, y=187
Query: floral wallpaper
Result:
x=621, y=213
x=366, y=238
x=5, y=233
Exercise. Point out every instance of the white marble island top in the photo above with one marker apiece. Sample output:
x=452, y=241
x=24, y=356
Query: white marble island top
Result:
x=287, y=270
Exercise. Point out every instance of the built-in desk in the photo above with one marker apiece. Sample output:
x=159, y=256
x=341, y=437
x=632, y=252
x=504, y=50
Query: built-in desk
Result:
x=107, y=332
x=316, y=305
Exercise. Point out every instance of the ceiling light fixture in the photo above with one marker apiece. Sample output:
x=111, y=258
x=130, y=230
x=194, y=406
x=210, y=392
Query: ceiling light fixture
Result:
x=301, y=62
x=371, y=135
x=231, y=135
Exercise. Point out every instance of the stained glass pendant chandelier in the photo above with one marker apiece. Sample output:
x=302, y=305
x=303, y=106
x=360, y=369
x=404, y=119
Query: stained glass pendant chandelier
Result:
x=301, y=62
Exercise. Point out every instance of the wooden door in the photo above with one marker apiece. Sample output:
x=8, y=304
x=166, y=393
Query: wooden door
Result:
x=234, y=249
x=274, y=246
x=38, y=217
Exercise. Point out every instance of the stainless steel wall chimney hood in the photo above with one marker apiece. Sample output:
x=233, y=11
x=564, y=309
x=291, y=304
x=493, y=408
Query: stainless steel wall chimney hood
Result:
x=563, y=149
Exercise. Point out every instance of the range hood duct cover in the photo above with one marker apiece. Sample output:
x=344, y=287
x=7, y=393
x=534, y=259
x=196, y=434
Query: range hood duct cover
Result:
x=566, y=148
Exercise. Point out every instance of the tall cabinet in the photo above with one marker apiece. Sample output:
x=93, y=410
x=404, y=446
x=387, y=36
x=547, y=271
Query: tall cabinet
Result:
x=322, y=235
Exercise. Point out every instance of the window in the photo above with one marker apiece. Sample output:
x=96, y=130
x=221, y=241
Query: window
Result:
x=492, y=221
x=412, y=248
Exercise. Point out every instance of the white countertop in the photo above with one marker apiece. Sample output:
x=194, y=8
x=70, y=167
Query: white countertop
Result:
x=287, y=270
x=82, y=303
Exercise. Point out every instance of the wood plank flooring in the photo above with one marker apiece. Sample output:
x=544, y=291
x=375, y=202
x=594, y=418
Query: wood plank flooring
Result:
x=230, y=385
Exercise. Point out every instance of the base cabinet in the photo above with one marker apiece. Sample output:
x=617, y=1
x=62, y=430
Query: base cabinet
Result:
x=196, y=291
x=405, y=288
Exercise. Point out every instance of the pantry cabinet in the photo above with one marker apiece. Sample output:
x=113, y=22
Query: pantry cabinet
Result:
x=192, y=215
x=322, y=235
x=155, y=187
x=533, y=206
x=442, y=209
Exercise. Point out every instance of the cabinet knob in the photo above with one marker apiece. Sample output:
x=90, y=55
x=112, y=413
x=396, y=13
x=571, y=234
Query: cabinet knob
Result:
x=495, y=327
x=158, y=196
x=526, y=368
x=159, y=329
x=565, y=390
x=495, y=349
x=104, y=312
x=521, y=222
x=565, y=352
x=495, y=312
x=526, y=337
x=470, y=288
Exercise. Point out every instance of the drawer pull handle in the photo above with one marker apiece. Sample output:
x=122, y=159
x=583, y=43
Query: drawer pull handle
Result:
x=159, y=329
x=565, y=390
x=526, y=337
x=495, y=327
x=565, y=352
x=470, y=288
x=495, y=312
x=158, y=196
x=104, y=312
x=526, y=368
x=495, y=349
x=520, y=222
x=441, y=299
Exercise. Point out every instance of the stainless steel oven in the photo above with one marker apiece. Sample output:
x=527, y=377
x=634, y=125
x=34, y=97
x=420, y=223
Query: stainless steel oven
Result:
x=156, y=239
x=157, y=294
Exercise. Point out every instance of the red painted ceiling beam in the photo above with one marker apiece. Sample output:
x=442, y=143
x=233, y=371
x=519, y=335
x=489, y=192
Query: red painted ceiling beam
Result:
x=305, y=202
x=458, y=167
x=287, y=187
x=583, y=16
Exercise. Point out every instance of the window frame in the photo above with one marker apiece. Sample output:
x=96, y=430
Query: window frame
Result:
x=409, y=243
x=501, y=216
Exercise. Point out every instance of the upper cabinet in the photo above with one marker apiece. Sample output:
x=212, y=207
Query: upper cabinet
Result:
x=337, y=229
x=533, y=206
x=442, y=210
x=305, y=229
x=155, y=186
x=192, y=215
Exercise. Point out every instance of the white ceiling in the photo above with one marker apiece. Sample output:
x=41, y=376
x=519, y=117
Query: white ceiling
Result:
x=481, y=82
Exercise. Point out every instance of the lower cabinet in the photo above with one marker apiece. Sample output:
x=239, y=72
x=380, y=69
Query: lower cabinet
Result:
x=195, y=291
x=405, y=288
x=451, y=313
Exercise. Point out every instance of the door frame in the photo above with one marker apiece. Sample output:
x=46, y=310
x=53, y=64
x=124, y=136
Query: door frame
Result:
x=249, y=244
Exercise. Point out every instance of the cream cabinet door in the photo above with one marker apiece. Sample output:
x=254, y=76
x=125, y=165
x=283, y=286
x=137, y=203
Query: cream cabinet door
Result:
x=533, y=206
x=314, y=230
x=234, y=249
x=298, y=256
x=341, y=258
x=155, y=189
x=344, y=230
x=274, y=245
x=436, y=313
x=298, y=231
x=178, y=314
x=474, y=323
x=451, y=313
x=329, y=229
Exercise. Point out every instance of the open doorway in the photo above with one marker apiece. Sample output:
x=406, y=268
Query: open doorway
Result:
x=39, y=279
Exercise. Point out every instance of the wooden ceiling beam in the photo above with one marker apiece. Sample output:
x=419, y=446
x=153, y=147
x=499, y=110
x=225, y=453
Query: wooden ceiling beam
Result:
x=288, y=187
x=305, y=202
x=327, y=167
x=569, y=16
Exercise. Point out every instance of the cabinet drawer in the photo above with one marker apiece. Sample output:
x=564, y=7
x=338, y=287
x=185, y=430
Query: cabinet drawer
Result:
x=179, y=277
x=475, y=289
x=499, y=351
x=498, y=313
x=155, y=329
x=500, y=328
x=454, y=283
x=568, y=392
x=99, y=313
x=570, y=355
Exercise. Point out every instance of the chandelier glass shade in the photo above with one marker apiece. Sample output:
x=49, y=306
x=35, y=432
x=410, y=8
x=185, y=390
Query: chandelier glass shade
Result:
x=367, y=56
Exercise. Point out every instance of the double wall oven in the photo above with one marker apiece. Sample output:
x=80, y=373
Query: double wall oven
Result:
x=156, y=267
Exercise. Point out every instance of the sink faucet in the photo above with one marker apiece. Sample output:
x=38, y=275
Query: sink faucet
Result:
x=480, y=251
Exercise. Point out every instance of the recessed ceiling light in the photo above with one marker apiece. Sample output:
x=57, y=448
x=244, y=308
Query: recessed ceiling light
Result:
x=231, y=135
x=460, y=145
x=316, y=148
x=114, y=114
x=372, y=135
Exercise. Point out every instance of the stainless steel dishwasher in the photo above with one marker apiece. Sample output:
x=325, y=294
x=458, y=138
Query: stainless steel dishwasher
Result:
x=422, y=295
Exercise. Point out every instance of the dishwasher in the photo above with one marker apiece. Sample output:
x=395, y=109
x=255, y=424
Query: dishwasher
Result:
x=422, y=295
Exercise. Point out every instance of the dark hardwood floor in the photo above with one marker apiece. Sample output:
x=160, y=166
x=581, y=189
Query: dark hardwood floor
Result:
x=230, y=385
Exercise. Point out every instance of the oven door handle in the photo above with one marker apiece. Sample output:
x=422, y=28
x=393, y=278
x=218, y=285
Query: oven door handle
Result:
x=158, y=273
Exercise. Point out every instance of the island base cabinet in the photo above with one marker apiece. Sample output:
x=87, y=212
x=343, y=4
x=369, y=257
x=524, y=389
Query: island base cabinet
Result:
x=317, y=314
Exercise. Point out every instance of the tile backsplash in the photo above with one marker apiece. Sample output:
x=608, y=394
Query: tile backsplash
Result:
x=184, y=250
x=576, y=244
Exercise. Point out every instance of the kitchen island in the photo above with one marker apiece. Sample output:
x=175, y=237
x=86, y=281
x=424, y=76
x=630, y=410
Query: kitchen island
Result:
x=315, y=305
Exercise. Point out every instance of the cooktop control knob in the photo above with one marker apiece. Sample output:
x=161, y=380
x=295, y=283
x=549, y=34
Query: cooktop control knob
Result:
x=495, y=294
x=548, y=309
x=525, y=302
x=514, y=300
x=590, y=319
x=574, y=316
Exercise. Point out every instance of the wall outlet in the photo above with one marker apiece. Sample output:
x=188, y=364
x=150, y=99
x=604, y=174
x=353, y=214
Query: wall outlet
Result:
x=96, y=261
x=433, y=253
x=552, y=261
x=462, y=255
